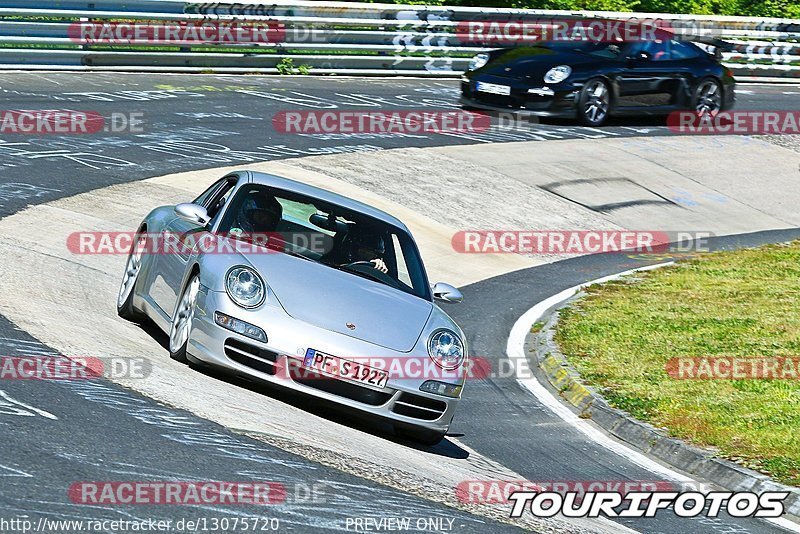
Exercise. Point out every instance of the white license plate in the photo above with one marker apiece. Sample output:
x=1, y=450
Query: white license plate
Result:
x=345, y=369
x=493, y=88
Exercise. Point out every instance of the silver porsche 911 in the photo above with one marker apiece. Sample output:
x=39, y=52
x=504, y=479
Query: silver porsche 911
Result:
x=283, y=282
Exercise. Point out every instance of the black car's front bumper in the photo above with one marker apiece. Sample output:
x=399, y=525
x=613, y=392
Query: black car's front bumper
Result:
x=728, y=96
x=541, y=101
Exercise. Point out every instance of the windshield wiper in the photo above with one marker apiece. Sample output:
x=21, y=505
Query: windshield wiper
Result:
x=370, y=276
x=362, y=274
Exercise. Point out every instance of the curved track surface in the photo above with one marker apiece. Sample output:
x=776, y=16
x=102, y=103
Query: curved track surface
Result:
x=194, y=122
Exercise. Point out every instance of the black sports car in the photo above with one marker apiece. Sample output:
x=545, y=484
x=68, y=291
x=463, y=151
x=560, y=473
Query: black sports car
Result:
x=592, y=80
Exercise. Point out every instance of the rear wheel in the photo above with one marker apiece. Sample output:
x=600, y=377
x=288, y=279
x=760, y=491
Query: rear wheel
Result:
x=594, y=103
x=133, y=267
x=182, y=321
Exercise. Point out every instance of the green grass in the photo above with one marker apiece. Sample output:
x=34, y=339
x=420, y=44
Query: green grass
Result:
x=740, y=304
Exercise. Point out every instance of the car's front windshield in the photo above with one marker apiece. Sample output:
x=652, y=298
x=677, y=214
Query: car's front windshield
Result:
x=331, y=235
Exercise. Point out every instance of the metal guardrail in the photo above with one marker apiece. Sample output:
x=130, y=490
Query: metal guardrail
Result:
x=336, y=37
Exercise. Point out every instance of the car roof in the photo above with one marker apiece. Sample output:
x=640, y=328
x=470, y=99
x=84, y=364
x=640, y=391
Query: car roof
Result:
x=279, y=182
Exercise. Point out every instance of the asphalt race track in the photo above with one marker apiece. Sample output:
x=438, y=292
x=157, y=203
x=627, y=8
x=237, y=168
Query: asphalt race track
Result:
x=120, y=435
x=202, y=121
x=194, y=122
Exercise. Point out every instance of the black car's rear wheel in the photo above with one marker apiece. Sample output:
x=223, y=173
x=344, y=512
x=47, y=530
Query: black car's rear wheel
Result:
x=707, y=97
x=594, y=103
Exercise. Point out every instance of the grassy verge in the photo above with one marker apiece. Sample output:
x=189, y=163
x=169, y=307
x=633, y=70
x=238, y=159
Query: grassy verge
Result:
x=730, y=304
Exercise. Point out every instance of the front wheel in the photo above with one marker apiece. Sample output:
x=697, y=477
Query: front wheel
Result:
x=707, y=98
x=594, y=103
x=182, y=321
x=133, y=267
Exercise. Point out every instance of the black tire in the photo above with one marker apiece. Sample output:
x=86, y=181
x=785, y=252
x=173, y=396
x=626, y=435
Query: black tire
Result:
x=423, y=436
x=707, y=97
x=183, y=310
x=125, y=308
x=594, y=103
x=180, y=356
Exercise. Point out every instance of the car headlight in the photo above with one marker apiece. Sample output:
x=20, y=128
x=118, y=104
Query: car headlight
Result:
x=245, y=287
x=478, y=61
x=446, y=349
x=558, y=74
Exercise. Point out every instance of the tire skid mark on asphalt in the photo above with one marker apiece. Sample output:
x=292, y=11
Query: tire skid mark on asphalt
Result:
x=6, y=471
x=12, y=406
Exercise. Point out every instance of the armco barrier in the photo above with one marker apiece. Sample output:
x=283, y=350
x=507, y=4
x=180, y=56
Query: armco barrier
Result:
x=338, y=37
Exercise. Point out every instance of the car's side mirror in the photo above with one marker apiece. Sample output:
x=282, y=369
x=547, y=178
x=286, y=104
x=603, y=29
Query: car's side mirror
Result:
x=446, y=292
x=193, y=213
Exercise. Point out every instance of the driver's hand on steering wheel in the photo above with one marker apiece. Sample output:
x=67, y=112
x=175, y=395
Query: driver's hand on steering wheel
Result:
x=380, y=265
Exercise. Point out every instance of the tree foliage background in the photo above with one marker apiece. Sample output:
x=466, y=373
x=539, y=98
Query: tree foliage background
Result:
x=758, y=8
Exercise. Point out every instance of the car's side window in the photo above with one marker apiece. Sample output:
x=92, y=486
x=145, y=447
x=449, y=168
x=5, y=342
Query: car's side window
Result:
x=206, y=195
x=680, y=50
x=220, y=198
x=658, y=50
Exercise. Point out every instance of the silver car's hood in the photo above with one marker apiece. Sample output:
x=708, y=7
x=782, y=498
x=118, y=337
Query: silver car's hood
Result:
x=330, y=299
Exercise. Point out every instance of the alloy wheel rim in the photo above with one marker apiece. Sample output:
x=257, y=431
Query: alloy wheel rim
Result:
x=132, y=269
x=184, y=316
x=596, y=106
x=709, y=99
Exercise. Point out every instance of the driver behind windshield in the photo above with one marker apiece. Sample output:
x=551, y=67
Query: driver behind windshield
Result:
x=258, y=214
x=364, y=246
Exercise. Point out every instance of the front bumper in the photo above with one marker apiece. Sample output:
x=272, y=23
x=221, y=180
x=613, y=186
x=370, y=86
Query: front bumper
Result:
x=543, y=101
x=729, y=97
x=279, y=361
